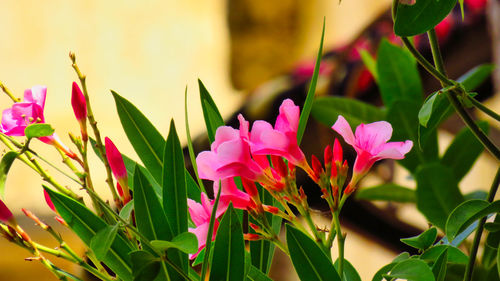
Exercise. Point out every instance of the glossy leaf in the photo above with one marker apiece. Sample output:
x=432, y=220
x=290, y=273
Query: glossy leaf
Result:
x=327, y=109
x=379, y=275
x=460, y=160
x=38, y=130
x=126, y=211
x=211, y=114
x=455, y=255
x=412, y=269
x=228, y=261
x=398, y=77
x=192, y=189
x=192, y=156
x=468, y=212
x=101, y=243
x=86, y=225
x=185, y=242
x=350, y=273
x=387, y=192
x=147, y=142
x=437, y=193
x=422, y=241
x=5, y=165
x=146, y=266
x=309, y=261
x=174, y=184
x=476, y=76
x=439, y=266
x=422, y=16
x=306, y=109
x=254, y=274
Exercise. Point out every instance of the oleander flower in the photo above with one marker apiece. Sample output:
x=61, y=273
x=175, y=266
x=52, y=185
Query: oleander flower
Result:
x=231, y=193
x=117, y=166
x=371, y=143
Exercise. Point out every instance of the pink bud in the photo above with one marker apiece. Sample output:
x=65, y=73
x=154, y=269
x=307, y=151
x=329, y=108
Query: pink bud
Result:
x=251, y=237
x=337, y=152
x=119, y=189
x=78, y=102
x=6, y=215
x=117, y=165
x=316, y=166
x=48, y=201
x=328, y=154
x=250, y=187
x=334, y=171
x=270, y=209
x=279, y=165
x=254, y=226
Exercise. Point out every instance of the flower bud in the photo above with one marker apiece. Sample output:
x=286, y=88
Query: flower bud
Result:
x=117, y=165
x=279, y=165
x=337, y=152
x=6, y=215
x=328, y=154
x=271, y=209
x=250, y=187
x=334, y=171
x=251, y=237
x=255, y=227
x=48, y=201
x=317, y=167
x=80, y=109
x=348, y=190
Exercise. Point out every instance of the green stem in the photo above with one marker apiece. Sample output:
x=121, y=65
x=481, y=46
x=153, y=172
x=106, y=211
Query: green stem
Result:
x=477, y=238
x=341, y=242
x=483, y=108
x=9, y=93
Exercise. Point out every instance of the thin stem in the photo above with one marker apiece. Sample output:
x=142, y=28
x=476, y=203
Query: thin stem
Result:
x=483, y=108
x=9, y=93
x=93, y=124
x=436, y=52
x=477, y=238
x=340, y=241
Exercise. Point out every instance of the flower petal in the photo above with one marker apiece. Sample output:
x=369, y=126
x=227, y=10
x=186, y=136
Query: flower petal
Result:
x=371, y=136
x=36, y=95
x=342, y=127
x=395, y=150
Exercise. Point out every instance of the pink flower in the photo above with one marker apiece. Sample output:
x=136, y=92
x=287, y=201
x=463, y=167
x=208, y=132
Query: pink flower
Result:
x=231, y=193
x=79, y=105
x=22, y=114
x=282, y=139
x=370, y=143
x=200, y=215
x=117, y=166
x=6, y=215
x=229, y=156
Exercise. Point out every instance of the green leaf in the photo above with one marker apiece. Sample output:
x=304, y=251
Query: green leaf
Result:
x=498, y=261
x=146, y=266
x=421, y=17
x=422, y=241
x=468, y=212
x=327, y=109
x=306, y=109
x=309, y=261
x=460, y=160
x=387, y=192
x=254, y=274
x=430, y=105
x=439, y=267
x=86, y=225
x=454, y=254
x=65, y=273
x=476, y=76
x=403, y=115
x=412, y=269
x=126, y=211
x=398, y=77
x=192, y=189
x=388, y=267
x=211, y=114
x=101, y=243
x=147, y=142
x=185, y=242
x=38, y=130
x=192, y=156
x=228, y=261
x=208, y=245
x=5, y=165
x=437, y=193
x=350, y=273
x=174, y=184
x=370, y=63
x=492, y=226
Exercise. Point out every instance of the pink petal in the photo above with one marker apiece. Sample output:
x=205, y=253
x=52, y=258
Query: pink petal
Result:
x=395, y=150
x=223, y=134
x=5, y=214
x=207, y=164
x=371, y=136
x=36, y=95
x=231, y=193
x=244, y=127
x=344, y=129
x=78, y=102
x=48, y=201
x=288, y=119
x=197, y=212
x=115, y=160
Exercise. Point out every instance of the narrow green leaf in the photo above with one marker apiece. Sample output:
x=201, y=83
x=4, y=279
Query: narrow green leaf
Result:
x=86, y=225
x=126, y=211
x=65, y=273
x=210, y=232
x=370, y=63
x=350, y=273
x=192, y=189
x=476, y=76
x=454, y=254
x=254, y=274
x=146, y=266
x=211, y=114
x=460, y=160
x=102, y=241
x=174, y=184
x=5, y=165
x=422, y=16
x=309, y=261
x=192, y=156
x=468, y=212
x=327, y=109
x=439, y=267
x=306, y=109
x=422, y=241
x=398, y=77
x=437, y=193
x=185, y=242
x=387, y=192
x=147, y=142
x=38, y=130
x=228, y=261
x=498, y=260
x=412, y=269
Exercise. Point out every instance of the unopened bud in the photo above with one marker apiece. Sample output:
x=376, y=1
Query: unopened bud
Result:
x=328, y=154
x=79, y=105
x=334, y=171
x=302, y=193
x=348, y=190
x=271, y=209
x=49, y=201
x=117, y=166
x=317, y=167
x=337, y=152
x=250, y=187
x=252, y=237
x=6, y=215
x=279, y=165
x=255, y=227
